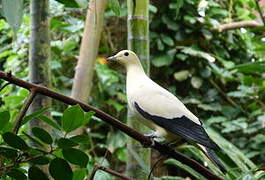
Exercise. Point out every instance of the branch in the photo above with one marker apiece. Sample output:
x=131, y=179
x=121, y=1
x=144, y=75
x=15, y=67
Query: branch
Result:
x=236, y=25
x=260, y=12
x=162, y=148
x=108, y=170
x=24, y=109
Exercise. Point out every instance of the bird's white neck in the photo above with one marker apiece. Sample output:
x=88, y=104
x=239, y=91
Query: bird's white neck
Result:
x=134, y=70
x=135, y=76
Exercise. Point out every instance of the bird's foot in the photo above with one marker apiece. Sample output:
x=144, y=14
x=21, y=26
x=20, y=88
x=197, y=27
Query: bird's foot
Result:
x=152, y=137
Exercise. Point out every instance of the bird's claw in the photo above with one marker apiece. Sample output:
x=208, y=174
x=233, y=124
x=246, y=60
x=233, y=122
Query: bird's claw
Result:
x=152, y=137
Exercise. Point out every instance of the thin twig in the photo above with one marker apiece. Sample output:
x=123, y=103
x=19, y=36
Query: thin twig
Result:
x=115, y=173
x=240, y=24
x=231, y=101
x=223, y=93
x=260, y=12
x=24, y=109
x=91, y=177
x=3, y=87
x=155, y=165
x=163, y=149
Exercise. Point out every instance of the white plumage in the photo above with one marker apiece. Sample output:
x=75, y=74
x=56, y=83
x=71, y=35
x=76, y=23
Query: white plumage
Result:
x=159, y=109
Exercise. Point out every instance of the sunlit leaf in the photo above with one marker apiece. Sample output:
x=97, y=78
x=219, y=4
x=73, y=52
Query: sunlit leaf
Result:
x=80, y=173
x=73, y=118
x=115, y=7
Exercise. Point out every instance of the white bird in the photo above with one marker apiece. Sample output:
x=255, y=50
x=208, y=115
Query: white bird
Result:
x=160, y=110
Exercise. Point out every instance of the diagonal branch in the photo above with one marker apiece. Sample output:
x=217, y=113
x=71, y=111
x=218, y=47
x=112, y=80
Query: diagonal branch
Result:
x=260, y=12
x=24, y=109
x=162, y=148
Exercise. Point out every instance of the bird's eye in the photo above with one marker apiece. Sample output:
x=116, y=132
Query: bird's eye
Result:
x=126, y=54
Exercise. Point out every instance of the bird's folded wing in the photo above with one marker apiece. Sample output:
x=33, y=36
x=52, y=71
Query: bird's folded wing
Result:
x=172, y=115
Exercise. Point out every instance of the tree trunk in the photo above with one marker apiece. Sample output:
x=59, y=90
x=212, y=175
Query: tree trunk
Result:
x=39, y=55
x=89, y=50
x=138, y=41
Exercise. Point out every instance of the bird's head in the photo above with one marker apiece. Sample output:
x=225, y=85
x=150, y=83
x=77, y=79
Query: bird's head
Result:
x=124, y=57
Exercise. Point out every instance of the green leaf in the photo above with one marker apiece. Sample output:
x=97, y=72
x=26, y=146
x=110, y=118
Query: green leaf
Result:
x=118, y=107
x=15, y=141
x=216, y=119
x=81, y=139
x=8, y=152
x=244, y=163
x=60, y=169
x=69, y=3
x=172, y=178
x=49, y=121
x=115, y=7
x=80, y=174
x=177, y=6
x=181, y=75
x=42, y=160
x=186, y=168
x=196, y=53
x=16, y=174
x=73, y=118
x=251, y=68
x=75, y=156
x=66, y=143
x=196, y=82
x=33, y=115
x=43, y=135
x=36, y=173
x=4, y=118
x=34, y=140
x=165, y=59
x=13, y=12
x=167, y=40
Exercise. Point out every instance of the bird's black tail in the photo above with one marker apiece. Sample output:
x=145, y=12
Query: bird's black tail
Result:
x=211, y=155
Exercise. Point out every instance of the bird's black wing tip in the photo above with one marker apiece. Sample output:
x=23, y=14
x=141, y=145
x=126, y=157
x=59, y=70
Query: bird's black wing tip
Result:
x=209, y=152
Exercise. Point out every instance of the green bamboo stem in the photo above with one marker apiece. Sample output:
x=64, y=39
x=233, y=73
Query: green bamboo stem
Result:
x=138, y=41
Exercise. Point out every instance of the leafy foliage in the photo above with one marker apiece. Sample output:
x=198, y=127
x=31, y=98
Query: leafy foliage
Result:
x=16, y=150
x=219, y=76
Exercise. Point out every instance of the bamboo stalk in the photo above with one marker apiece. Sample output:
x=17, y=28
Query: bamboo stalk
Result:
x=138, y=41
